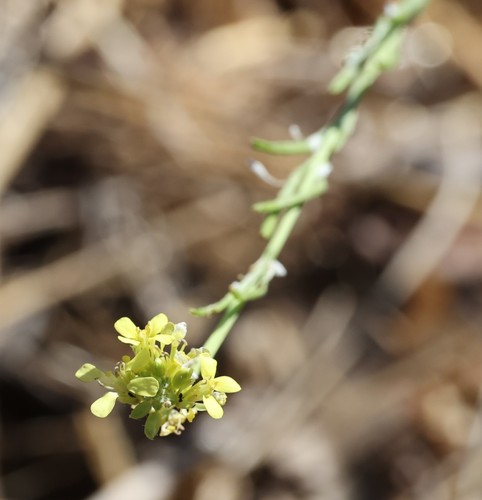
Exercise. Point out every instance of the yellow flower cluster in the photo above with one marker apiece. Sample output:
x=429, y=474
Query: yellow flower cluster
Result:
x=169, y=386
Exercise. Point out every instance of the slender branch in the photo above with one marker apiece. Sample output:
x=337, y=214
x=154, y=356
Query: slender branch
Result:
x=309, y=180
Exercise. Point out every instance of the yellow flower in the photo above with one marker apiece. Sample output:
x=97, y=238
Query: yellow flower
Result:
x=162, y=386
x=158, y=329
x=221, y=385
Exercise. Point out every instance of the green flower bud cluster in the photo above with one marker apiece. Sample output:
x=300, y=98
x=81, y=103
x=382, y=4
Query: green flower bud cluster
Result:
x=168, y=387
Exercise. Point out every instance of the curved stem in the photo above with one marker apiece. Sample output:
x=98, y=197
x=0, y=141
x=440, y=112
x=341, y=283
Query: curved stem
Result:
x=379, y=53
x=219, y=334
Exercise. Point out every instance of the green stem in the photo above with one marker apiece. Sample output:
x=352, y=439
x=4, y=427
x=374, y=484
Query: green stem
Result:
x=283, y=231
x=271, y=252
x=379, y=54
x=219, y=334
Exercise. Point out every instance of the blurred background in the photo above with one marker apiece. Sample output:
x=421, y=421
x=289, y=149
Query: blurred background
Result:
x=125, y=191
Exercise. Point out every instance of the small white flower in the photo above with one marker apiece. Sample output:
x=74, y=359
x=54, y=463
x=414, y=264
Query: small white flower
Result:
x=235, y=286
x=391, y=10
x=261, y=172
x=354, y=56
x=277, y=269
x=180, y=330
x=324, y=170
x=295, y=132
x=314, y=141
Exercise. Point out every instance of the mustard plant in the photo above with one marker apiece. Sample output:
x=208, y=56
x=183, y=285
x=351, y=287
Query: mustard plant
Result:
x=161, y=382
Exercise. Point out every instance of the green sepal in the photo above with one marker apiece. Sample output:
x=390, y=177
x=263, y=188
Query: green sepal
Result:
x=182, y=379
x=141, y=410
x=153, y=424
x=158, y=368
x=127, y=400
x=140, y=361
x=108, y=380
x=143, y=386
x=88, y=373
x=168, y=329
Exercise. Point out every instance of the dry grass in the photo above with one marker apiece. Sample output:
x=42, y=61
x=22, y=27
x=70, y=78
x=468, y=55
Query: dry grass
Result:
x=124, y=130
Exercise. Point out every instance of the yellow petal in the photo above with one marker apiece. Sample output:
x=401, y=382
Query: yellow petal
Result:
x=191, y=415
x=88, y=373
x=157, y=323
x=226, y=384
x=163, y=339
x=125, y=340
x=208, y=367
x=214, y=409
x=104, y=405
x=126, y=328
